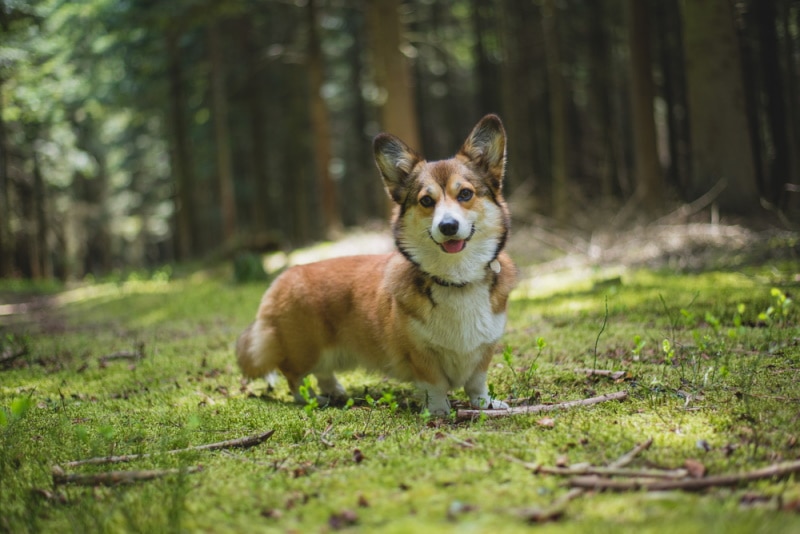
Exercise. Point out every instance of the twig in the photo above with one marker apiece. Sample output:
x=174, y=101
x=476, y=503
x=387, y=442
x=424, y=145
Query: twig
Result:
x=696, y=205
x=8, y=356
x=248, y=441
x=627, y=458
x=557, y=509
x=600, y=333
x=468, y=414
x=137, y=354
x=122, y=355
x=616, y=375
x=113, y=478
x=602, y=471
x=690, y=484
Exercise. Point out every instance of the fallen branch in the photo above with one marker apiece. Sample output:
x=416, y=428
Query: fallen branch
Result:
x=583, y=470
x=696, y=205
x=616, y=375
x=557, y=509
x=137, y=354
x=8, y=356
x=468, y=414
x=248, y=441
x=690, y=484
x=113, y=478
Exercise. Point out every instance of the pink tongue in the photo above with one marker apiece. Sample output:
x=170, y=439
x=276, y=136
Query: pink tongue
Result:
x=456, y=245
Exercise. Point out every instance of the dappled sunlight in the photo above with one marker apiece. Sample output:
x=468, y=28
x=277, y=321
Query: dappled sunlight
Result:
x=354, y=243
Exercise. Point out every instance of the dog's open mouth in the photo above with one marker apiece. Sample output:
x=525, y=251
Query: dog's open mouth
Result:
x=454, y=245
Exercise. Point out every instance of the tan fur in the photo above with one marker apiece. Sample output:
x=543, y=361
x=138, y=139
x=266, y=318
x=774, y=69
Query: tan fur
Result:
x=394, y=313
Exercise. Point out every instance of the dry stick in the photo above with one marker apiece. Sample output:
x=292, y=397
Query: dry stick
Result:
x=137, y=354
x=692, y=484
x=248, y=441
x=466, y=414
x=602, y=471
x=112, y=478
x=696, y=205
x=556, y=510
x=122, y=355
x=7, y=357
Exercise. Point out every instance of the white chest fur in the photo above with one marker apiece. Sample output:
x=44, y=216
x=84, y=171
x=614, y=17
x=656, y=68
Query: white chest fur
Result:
x=460, y=326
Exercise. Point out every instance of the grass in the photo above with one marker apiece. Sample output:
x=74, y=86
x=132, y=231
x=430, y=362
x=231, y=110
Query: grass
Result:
x=713, y=372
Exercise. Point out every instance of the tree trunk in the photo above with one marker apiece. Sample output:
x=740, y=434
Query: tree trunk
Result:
x=722, y=147
x=362, y=182
x=320, y=125
x=524, y=103
x=558, y=112
x=6, y=247
x=671, y=60
x=600, y=88
x=649, y=182
x=45, y=264
x=766, y=15
x=487, y=72
x=391, y=70
x=258, y=198
x=180, y=161
x=219, y=101
x=791, y=68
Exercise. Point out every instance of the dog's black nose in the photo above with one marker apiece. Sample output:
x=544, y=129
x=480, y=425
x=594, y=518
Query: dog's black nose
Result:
x=448, y=226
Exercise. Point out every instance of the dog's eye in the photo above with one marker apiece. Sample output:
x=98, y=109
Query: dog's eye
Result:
x=465, y=194
x=427, y=201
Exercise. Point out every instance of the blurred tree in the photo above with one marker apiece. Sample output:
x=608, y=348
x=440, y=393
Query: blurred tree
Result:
x=649, y=181
x=558, y=113
x=320, y=124
x=722, y=147
x=135, y=133
x=391, y=71
x=219, y=100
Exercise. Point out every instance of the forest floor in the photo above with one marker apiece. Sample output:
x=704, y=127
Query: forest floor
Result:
x=692, y=325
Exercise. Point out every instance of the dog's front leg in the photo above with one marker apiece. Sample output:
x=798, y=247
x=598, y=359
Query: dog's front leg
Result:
x=479, y=394
x=434, y=399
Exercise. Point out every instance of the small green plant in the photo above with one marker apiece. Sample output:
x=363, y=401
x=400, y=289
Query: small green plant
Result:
x=600, y=333
x=738, y=328
x=778, y=312
x=18, y=410
x=311, y=402
x=522, y=385
x=638, y=345
x=669, y=356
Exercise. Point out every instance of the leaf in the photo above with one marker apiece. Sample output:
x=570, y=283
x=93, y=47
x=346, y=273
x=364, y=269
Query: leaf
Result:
x=20, y=407
x=343, y=519
x=695, y=468
x=547, y=422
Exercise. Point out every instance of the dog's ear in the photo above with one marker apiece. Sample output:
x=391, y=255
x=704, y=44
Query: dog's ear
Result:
x=395, y=161
x=486, y=148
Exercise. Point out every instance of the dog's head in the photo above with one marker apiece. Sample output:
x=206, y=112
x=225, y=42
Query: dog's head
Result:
x=451, y=218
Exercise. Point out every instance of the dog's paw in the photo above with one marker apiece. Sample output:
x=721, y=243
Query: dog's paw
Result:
x=438, y=409
x=488, y=403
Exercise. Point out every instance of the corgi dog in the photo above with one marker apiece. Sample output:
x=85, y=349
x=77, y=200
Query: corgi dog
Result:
x=430, y=312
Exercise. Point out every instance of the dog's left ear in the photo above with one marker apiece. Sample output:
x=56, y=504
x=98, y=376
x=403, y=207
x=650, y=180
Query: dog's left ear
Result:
x=395, y=161
x=486, y=148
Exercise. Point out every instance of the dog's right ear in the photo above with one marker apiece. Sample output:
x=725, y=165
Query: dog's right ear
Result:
x=395, y=161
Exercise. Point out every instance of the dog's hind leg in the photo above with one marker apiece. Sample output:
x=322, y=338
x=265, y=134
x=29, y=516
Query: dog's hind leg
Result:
x=330, y=388
x=478, y=393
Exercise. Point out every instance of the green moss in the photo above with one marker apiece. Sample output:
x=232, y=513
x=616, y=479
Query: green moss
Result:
x=728, y=382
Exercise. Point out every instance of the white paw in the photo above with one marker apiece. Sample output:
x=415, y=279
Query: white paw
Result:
x=488, y=403
x=434, y=400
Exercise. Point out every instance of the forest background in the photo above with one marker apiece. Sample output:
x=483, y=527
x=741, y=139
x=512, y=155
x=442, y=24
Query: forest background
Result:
x=135, y=133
